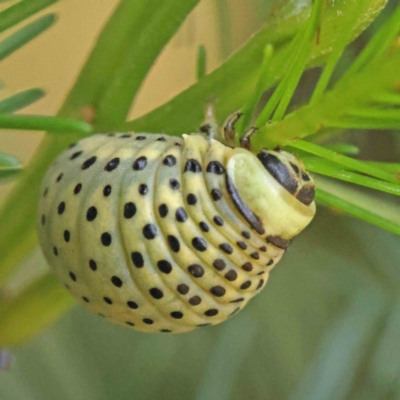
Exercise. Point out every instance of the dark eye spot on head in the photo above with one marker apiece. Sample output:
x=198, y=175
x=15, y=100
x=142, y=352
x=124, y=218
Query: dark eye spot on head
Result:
x=278, y=170
x=305, y=177
x=306, y=195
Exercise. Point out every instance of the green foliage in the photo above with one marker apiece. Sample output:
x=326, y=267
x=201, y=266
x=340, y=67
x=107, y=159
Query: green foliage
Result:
x=365, y=96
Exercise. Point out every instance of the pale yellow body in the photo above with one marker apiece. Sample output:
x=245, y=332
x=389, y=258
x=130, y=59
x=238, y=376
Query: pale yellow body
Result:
x=118, y=267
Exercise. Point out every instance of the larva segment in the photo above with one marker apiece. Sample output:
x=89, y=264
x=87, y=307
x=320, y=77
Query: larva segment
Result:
x=165, y=234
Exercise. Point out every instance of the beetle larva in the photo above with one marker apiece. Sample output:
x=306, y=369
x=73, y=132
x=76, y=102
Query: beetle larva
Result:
x=166, y=234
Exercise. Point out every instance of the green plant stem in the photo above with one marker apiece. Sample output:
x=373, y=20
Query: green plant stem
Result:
x=201, y=65
x=20, y=100
x=320, y=167
x=353, y=209
x=22, y=10
x=351, y=163
x=153, y=35
x=25, y=34
x=43, y=123
x=39, y=305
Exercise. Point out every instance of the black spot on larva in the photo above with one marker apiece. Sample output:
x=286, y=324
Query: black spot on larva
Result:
x=195, y=301
x=143, y=189
x=130, y=323
x=91, y=213
x=182, y=288
x=246, y=234
x=106, y=239
x=140, y=163
x=125, y=136
x=255, y=255
x=263, y=248
x=215, y=167
x=306, y=195
x=43, y=219
x=241, y=244
x=174, y=184
x=169, y=161
x=164, y=266
x=176, y=315
x=227, y=248
x=85, y=299
x=111, y=165
x=163, y=210
x=149, y=231
x=247, y=266
x=193, y=165
x=181, y=215
x=261, y=273
x=199, y=244
x=260, y=284
x=250, y=217
x=72, y=145
x=217, y=291
x=148, y=321
x=77, y=188
x=279, y=171
x=177, y=144
x=219, y=264
x=129, y=210
x=305, y=177
x=216, y=194
x=237, y=300
x=204, y=227
x=202, y=325
x=107, y=300
x=59, y=177
x=116, y=281
x=156, y=293
x=75, y=155
x=45, y=192
x=55, y=251
x=137, y=259
x=161, y=139
x=89, y=162
x=191, y=199
x=92, y=265
x=278, y=241
x=107, y=190
x=72, y=276
x=140, y=138
x=196, y=270
x=67, y=236
x=132, y=304
x=165, y=330
x=270, y=262
x=245, y=285
x=231, y=275
x=218, y=220
x=173, y=243
x=211, y=312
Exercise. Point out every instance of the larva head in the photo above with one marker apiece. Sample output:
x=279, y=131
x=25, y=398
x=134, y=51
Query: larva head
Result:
x=272, y=191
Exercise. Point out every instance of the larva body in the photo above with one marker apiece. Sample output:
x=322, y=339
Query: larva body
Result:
x=167, y=234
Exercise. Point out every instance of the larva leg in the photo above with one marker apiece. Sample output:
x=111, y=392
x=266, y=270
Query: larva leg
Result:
x=210, y=126
x=229, y=129
x=245, y=139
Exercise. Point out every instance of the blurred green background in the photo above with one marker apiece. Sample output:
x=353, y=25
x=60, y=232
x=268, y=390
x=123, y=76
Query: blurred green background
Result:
x=327, y=325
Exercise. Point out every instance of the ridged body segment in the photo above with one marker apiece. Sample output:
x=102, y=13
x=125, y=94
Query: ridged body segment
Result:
x=141, y=228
